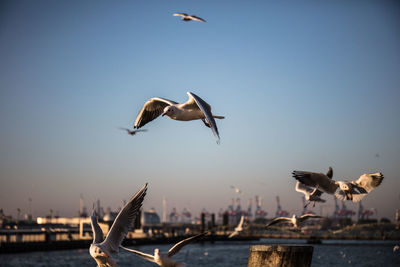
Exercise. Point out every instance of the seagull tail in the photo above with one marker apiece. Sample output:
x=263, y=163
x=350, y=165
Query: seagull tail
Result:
x=218, y=117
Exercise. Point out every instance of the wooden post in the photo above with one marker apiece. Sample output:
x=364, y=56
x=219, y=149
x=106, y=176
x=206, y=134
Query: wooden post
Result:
x=280, y=255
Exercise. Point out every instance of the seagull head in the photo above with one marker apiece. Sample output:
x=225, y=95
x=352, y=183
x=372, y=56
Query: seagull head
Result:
x=97, y=253
x=169, y=111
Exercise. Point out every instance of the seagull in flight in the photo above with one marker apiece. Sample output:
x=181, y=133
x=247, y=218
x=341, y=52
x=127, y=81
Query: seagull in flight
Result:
x=132, y=132
x=186, y=17
x=311, y=194
x=194, y=109
x=238, y=229
x=165, y=260
x=237, y=190
x=344, y=190
x=100, y=249
x=294, y=220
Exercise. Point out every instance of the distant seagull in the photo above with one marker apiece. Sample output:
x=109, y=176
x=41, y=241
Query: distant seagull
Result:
x=194, y=109
x=186, y=17
x=396, y=248
x=100, y=249
x=309, y=193
x=133, y=132
x=165, y=260
x=238, y=229
x=237, y=190
x=294, y=220
x=353, y=190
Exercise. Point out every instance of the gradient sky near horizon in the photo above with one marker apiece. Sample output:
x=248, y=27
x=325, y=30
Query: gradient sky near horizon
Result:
x=304, y=85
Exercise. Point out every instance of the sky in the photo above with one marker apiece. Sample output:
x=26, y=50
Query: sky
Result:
x=303, y=85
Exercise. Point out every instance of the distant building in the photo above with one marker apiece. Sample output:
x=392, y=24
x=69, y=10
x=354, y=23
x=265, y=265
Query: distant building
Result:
x=150, y=217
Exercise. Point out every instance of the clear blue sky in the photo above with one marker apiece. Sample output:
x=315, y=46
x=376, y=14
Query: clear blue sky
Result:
x=303, y=85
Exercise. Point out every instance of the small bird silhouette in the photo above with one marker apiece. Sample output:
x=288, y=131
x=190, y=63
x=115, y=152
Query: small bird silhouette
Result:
x=132, y=132
x=186, y=17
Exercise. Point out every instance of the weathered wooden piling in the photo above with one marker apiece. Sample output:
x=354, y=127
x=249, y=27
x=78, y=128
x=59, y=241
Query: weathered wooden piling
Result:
x=280, y=255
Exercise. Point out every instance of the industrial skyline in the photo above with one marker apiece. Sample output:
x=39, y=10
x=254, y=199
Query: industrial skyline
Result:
x=303, y=86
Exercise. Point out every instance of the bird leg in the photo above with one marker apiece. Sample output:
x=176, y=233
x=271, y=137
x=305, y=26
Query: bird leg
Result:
x=206, y=123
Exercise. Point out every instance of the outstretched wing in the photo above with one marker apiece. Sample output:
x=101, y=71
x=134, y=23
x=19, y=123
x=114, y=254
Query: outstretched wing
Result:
x=302, y=188
x=278, y=220
x=97, y=232
x=317, y=180
x=140, y=254
x=197, y=18
x=206, y=109
x=180, y=14
x=151, y=110
x=368, y=182
x=178, y=246
x=124, y=220
x=308, y=216
x=234, y=233
x=330, y=173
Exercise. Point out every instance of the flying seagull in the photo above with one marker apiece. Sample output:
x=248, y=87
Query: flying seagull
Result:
x=133, y=132
x=186, y=17
x=100, y=249
x=353, y=190
x=194, y=109
x=311, y=194
x=238, y=229
x=165, y=260
x=237, y=190
x=294, y=220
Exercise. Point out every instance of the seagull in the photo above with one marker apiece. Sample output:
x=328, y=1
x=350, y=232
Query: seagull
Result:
x=309, y=193
x=133, y=132
x=186, y=17
x=238, y=229
x=294, y=220
x=237, y=190
x=396, y=248
x=353, y=190
x=101, y=249
x=194, y=109
x=165, y=260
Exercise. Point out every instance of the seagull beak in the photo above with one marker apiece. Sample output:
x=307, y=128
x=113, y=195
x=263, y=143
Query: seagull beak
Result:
x=163, y=114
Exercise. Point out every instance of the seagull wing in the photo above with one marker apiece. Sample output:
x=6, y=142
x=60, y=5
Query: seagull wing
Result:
x=367, y=182
x=278, y=220
x=206, y=109
x=330, y=173
x=197, y=18
x=240, y=225
x=140, y=254
x=302, y=188
x=308, y=216
x=151, y=110
x=180, y=14
x=124, y=220
x=97, y=232
x=235, y=233
x=178, y=246
x=317, y=180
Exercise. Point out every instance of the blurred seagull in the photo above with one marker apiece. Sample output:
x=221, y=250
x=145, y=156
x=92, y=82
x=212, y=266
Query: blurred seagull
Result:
x=294, y=220
x=100, y=249
x=309, y=193
x=353, y=190
x=313, y=194
x=237, y=190
x=186, y=17
x=132, y=132
x=165, y=260
x=396, y=248
x=238, y=229
x=194, y=109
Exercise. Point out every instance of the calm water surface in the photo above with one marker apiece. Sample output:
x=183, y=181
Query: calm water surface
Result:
x=224, y=254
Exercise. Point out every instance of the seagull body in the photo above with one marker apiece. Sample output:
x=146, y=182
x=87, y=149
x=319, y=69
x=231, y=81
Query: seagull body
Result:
x=165, y=260
x=238, y=229
x=194, y=109
x=294, y=220
x=133, y=132
x=100, y=249
x=311, y=194
x=353, y=190
x=186, y=17
x=237, y=190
